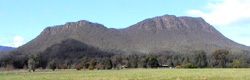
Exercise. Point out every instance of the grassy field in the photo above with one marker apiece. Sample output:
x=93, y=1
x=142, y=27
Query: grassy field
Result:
x=131, y=74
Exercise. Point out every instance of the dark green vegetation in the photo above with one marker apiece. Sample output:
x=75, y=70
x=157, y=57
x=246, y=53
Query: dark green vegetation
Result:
x=72, y=54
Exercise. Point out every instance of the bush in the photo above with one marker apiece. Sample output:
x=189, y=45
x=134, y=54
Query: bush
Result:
x=91, y=68
x=178, y=66
x=189, y=65
x=236, y=64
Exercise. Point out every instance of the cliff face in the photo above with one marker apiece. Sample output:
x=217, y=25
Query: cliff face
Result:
x=156, y=34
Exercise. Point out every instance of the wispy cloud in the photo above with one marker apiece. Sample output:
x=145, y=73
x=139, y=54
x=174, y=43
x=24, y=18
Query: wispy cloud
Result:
x=16, y=41
x=231, y=17
x=225, y=12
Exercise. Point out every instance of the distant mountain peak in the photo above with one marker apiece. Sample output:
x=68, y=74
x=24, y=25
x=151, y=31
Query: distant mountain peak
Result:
x=5, y=48
x=171, y=22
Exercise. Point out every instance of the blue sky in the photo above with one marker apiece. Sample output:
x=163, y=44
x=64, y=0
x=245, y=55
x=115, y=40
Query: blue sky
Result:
x=22, y=21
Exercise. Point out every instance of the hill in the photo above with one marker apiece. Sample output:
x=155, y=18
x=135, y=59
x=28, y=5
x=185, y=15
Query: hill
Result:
x=163, y=33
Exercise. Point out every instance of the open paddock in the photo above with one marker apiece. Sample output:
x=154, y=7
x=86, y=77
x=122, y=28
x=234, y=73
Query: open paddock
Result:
x=131, y=74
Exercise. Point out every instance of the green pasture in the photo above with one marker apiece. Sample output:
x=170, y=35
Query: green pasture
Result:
x=131, y=74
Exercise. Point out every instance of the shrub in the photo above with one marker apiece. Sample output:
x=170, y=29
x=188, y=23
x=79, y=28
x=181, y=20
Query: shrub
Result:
x=178, y=66
x=91, y=68
x=189, y=65
x=236, y=64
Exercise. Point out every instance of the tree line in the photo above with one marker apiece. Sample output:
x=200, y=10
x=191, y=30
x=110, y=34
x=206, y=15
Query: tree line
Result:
x=221, y=58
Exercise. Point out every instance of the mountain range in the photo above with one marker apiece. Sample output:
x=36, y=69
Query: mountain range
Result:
x=4, y=48
x=161, y=33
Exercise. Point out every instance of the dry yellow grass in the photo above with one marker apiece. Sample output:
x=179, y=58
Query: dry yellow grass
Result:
x=132, y=74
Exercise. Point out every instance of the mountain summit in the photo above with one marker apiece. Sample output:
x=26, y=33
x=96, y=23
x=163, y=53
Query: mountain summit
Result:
x=172, y=22
x=162, y=33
